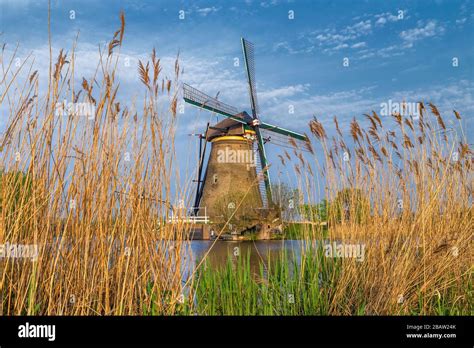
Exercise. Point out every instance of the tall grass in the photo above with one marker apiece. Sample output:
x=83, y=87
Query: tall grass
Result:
x=284, y=286
x=399, y=186
x=99, y=215
x=402, y=188
x=101, y=189
x=312, y=285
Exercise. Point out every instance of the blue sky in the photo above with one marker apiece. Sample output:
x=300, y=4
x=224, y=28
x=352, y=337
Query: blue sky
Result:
x=397, y=50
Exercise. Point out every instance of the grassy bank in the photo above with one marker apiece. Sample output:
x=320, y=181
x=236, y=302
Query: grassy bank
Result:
x=281, y=287
x=312, y=286
x=303, y=231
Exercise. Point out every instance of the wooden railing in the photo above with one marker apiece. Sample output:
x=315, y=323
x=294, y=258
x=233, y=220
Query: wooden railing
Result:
x=189, y=219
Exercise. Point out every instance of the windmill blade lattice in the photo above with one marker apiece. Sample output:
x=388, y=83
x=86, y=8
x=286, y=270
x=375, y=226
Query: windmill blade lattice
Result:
x=285, y=141
x=260, y=175
x=200, y=99
x=248, y=49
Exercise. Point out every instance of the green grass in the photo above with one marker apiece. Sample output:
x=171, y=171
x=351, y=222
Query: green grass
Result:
x=281, y=287
x=297, y=231
x=299, y=287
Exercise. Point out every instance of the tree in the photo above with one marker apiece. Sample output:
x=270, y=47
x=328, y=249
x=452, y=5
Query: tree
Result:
x=238, y=210
x=286, y=199
x=316, y=212
x=350, y=205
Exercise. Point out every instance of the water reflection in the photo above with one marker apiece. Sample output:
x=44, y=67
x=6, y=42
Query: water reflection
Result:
x=258, y=251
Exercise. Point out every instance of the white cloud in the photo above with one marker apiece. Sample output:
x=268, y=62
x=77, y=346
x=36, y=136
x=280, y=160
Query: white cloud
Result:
x=331, y=39
x=384, y=52
x=282, y=92
x=207, y=10
x=381, y=21
x=285, y=46
x=422, y=31
x=386, y=17
x=267, y=4
x=389, y=51
x=359, y=45
x=340, y=47
x=457, y=95
x=359, y=29
x=324, y=106
x=367, y=55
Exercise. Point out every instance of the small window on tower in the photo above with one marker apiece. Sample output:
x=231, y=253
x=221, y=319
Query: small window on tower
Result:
x=214, y=178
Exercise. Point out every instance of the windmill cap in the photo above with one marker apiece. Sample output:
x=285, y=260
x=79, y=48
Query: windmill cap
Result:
x=227, y=127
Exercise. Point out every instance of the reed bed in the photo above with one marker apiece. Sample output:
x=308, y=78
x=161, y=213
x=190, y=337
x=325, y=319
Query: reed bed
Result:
x=94, y=195
x=91, y=191
x=401, y=186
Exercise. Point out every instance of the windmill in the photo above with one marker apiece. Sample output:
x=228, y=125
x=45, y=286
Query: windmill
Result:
x=238, y=133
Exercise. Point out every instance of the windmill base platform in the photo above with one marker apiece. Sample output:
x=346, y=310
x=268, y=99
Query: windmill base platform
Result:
x=264, y=231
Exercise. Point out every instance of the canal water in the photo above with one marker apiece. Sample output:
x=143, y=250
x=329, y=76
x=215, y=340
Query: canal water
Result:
x=217, y=253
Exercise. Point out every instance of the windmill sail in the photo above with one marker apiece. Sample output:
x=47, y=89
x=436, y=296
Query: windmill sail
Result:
x=200, y=180
x=263, y=165
x=249, y=59
x=248, y=50
x=200, y=99
x=283, y=131
x=261, y=182
x=285, y=141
